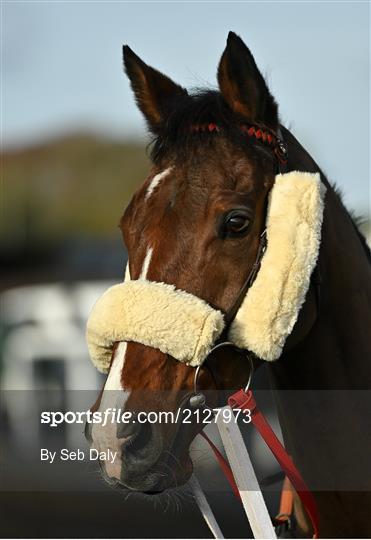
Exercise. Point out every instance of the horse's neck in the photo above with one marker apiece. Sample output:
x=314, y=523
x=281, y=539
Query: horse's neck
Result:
x=327, y=432
x=336, y=351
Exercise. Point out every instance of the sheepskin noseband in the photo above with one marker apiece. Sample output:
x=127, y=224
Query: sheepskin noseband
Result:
x=180, y=324
x=154, y=314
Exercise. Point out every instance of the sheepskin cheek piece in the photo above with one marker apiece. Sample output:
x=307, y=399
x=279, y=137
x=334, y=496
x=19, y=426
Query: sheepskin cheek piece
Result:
x=272, y=305
x=184, y=326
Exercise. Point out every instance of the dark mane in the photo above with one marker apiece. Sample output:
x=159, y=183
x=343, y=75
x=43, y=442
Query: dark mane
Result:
x=356, y=220
x=199, y=108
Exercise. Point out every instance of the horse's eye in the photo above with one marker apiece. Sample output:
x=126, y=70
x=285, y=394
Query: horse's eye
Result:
x=236, y=222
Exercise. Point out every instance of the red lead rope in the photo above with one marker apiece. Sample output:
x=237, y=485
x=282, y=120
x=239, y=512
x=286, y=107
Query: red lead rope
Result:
x=246, y=402
x=227, y=471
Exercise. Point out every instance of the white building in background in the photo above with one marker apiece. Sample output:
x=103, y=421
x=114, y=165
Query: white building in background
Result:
x=44, y=350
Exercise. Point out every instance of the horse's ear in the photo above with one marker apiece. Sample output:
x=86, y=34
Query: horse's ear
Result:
x=243, y=86
x=155, y=93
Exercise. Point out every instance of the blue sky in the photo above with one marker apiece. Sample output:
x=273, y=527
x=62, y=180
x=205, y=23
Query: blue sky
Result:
x=62, y=69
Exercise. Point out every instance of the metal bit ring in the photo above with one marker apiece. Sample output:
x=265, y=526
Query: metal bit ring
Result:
x=219, y=346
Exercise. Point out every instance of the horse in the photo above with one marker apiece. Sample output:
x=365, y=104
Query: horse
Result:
x=196, y=224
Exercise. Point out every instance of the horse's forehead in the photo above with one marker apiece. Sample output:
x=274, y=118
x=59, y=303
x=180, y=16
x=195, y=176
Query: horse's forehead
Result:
x=179, y=180
x=179, y=192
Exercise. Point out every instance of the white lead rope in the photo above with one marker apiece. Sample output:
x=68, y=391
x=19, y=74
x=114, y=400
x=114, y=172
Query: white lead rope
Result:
x=244, y=475
x=205, y=508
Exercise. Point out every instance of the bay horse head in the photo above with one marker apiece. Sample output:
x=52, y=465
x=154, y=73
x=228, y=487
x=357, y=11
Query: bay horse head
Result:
x=196, y=224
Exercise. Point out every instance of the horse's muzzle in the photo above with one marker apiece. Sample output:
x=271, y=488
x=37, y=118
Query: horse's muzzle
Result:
x=144, y=462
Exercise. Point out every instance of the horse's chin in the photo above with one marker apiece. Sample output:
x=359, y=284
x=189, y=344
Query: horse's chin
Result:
x=170, y=478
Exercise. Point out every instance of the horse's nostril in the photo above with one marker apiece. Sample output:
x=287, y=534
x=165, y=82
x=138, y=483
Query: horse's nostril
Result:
x=141, y=439
x=87, y=432
x=128, y=430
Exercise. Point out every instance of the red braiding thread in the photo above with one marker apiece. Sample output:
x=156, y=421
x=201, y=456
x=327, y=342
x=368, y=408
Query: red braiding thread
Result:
x=258, y=133
x=252, y=131
x=204, y=127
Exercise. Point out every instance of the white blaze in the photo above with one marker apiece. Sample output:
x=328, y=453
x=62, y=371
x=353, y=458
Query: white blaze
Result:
x=114, y=377
x=115, y=396
x=127, y=272
x=146, y=263
x=113, y=381
x=156, y=180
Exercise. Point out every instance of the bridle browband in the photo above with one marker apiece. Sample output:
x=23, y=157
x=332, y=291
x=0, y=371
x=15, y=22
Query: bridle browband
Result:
x=261, y=133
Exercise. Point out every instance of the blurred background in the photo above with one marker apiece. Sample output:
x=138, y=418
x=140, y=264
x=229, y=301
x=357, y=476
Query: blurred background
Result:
x=74, y=151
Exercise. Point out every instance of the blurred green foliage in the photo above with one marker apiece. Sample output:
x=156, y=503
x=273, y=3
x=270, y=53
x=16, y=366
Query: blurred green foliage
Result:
x=72, y=187
x=78, y=185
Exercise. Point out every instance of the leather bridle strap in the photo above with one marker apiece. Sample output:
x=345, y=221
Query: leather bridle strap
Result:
x=232, y=312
